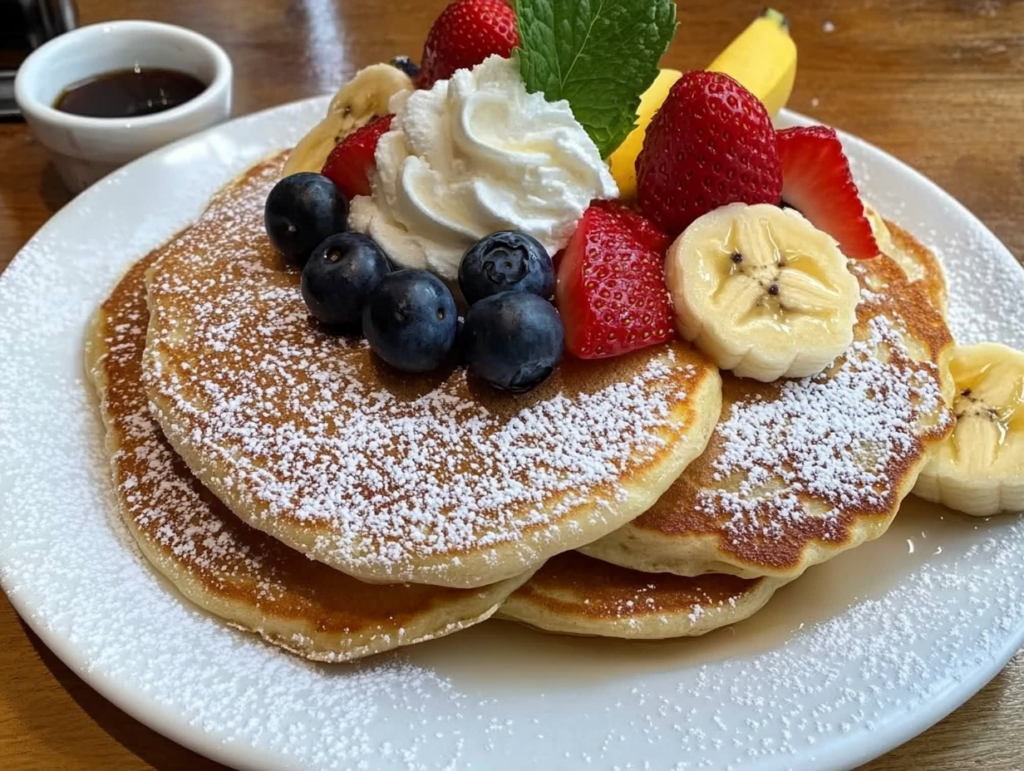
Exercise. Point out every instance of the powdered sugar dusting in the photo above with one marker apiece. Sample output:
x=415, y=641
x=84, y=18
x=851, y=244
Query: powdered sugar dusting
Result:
x=646, y=605
x=840, y=434
x=975, y=266
x=249, y=577
x=889, y=645
x=158, y=500
x=585, y=595
x=69, y=565
x=308, y=430
x=980, y=271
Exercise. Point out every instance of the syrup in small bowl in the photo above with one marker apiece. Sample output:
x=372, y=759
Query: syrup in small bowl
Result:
x=129, y=93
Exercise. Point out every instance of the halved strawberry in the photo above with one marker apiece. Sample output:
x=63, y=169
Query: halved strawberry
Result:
x=351, y=161
x=466, y=33
x=816, y=180
x=611, y=283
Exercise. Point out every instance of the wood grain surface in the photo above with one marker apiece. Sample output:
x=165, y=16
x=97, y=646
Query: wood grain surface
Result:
x=938, y=83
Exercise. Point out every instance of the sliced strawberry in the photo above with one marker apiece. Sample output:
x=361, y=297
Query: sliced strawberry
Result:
x=710, y=144
x=466, y=33
x=611, y=283
x=816, y=180
x=351, y=161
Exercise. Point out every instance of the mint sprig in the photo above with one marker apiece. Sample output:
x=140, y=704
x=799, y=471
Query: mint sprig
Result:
x=600, y=55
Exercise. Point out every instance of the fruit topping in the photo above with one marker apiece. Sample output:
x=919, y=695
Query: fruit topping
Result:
x=301, y=211
x=978, y=470
x=406, y=65
x=513, y=340
x=350, y=163
x=339, y=277
x=816, y=180
x=762, y=292
x=623, y=161
x=611, y=283
x=473, y=155
x=466, y=33
x=506, y=261
x=710, y=144
x=364, y=98
x=410, y=320
x=762, y=59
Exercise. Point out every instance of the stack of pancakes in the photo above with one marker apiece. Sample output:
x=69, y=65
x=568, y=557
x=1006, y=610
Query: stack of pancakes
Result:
x=287, y=481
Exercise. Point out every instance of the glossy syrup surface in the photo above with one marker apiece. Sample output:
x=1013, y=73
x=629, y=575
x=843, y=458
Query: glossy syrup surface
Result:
x=129, y=93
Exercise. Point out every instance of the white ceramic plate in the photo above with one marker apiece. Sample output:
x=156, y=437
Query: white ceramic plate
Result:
x=856, y=657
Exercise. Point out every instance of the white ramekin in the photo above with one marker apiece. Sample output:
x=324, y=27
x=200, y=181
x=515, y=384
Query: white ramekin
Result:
x=85, y=149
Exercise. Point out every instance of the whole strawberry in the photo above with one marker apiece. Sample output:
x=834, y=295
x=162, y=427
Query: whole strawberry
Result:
x=466, y=33
x=611, y=284
x=352, y=160
x=710, y=144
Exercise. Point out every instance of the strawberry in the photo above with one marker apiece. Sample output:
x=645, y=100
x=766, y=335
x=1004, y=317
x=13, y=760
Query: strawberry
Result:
x=816, y=180
x=466, y=33
x=351, y=161
x=611, y=283
x=710, y=144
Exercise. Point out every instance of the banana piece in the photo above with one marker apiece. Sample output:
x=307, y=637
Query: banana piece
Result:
x=763, y=60
x=623, y=161
x=362, y=99
x=880, y=231
x=762, y=291
x=979, y=469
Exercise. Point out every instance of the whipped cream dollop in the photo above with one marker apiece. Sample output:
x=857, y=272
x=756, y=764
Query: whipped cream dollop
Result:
x=473, y=155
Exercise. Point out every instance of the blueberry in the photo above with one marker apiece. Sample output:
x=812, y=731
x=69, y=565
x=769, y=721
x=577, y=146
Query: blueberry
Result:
x=506, y=261
x=406, y=65
x=340, y=275
x=513, y=340
x=410, y=320
x=301, y=211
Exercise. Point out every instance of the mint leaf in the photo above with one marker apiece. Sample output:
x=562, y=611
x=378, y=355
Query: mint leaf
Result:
x=600, y=55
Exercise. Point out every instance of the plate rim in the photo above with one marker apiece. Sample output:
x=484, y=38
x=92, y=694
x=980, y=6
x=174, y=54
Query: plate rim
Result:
x=840, y=755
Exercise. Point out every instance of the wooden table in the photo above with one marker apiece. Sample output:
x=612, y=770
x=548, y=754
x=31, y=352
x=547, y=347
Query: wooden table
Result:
x=941, y=85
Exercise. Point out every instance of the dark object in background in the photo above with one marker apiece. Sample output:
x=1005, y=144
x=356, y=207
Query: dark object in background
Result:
x=24, y=26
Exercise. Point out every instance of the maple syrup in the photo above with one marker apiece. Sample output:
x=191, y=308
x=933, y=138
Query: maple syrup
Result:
x=129, y=93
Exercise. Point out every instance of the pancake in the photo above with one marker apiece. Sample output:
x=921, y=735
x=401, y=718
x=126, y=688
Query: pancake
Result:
x=221, y=564
x=574, y=594
x=798, y=471
x=918, y=261
x=390, y=477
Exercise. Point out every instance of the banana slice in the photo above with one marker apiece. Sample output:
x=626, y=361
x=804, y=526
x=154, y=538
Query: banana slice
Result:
x=879, y=229
x=762, y=291
x=359, y=101
x=979, y=470
x=762, y=60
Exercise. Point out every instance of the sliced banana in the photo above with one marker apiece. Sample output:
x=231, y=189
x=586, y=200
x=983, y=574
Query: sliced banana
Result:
x=762, y=291
x=979, y=470
x=918, y=262
x=879, y=229
x=359, y=101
